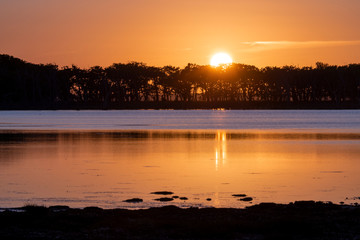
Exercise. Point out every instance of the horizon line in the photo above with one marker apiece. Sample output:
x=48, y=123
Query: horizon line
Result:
x=264, y=43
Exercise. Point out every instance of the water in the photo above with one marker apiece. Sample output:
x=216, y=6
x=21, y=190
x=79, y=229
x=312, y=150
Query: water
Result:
x=180, y=119
x=101, y=158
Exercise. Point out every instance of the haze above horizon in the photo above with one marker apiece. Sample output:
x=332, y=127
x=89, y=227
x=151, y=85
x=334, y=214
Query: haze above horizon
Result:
x=159, y=32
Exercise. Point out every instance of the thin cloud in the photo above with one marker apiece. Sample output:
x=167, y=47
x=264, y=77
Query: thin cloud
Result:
x=271, y=45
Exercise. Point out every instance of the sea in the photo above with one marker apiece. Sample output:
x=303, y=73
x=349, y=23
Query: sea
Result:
x=200, y=158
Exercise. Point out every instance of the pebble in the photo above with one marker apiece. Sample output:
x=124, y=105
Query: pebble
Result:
x=133, y=200
x=162, y=193
x=246, y=199
x=164, y=199
x=239, y=195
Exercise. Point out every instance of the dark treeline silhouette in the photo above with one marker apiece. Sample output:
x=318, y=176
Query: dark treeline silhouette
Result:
x=135, y=85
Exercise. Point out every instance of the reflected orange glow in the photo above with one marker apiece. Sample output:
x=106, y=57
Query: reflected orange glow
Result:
x=220, y=149
x=103, y=169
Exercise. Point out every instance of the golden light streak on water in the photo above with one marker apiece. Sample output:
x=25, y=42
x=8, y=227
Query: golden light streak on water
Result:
x=220, y=149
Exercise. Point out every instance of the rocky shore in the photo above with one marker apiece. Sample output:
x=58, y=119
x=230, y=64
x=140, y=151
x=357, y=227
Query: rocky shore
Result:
x=299, y=220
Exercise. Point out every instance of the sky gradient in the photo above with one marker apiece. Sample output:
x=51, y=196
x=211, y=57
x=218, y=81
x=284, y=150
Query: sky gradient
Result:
x=162, y=32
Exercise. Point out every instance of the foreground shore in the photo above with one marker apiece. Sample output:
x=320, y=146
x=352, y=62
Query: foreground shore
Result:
x=299, y=220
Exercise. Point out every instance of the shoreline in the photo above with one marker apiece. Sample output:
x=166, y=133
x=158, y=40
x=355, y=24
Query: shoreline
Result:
x=191, y=105
x=298, y=220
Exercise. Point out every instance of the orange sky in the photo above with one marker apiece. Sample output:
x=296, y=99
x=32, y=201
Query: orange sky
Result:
x=177, y=32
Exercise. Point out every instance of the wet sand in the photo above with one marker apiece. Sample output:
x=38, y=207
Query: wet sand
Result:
x=299, y=220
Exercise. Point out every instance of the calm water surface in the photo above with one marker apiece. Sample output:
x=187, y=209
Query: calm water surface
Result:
x=178, y=119
x=101, y=158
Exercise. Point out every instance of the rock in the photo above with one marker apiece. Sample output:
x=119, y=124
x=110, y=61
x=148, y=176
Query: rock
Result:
x=183, y=198
x=164, y=199
x=133, y=200
x=162, y=193
x=175, y=197
x=208, y=199
x=246, y=199
x=239, y=195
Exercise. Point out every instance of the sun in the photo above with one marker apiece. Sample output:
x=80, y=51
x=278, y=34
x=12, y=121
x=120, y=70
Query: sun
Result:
x=220, y=58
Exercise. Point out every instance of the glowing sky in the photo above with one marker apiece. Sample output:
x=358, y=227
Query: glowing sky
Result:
x=177, y=32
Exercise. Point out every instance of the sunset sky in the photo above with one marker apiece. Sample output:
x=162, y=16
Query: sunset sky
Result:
x=177, y=32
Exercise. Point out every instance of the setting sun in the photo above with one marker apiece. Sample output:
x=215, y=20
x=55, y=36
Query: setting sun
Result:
x=220, y=58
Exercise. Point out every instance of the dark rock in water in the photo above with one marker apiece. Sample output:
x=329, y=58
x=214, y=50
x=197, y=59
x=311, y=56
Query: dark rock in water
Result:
x=208, y=199
x=239, y=195
x=133, y=200
x=162, y=193
x=175, y=197
x=183, y=198
x=246, y=199
x=164, y=199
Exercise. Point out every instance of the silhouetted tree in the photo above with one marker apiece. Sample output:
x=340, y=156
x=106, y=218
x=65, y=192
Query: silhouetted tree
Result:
x=26, y=85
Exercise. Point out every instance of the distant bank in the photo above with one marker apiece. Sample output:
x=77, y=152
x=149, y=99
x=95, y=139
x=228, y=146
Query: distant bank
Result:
x=187, y=106
x=135, y=85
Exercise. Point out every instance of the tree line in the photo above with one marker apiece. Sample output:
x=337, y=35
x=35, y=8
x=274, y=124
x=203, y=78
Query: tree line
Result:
x=25, y=85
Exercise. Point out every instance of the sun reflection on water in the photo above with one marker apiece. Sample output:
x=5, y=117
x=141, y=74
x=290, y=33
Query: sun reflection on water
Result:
x=220, y=149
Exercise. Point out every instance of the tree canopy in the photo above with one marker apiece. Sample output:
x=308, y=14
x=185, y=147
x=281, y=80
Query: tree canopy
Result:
x=25, y=85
